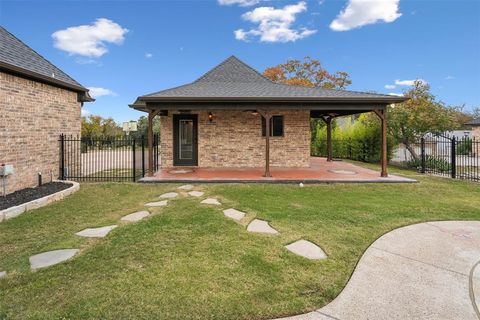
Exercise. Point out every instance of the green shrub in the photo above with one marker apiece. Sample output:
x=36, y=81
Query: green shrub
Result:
x=361, y=140
x=431, y=163
x=464, y=147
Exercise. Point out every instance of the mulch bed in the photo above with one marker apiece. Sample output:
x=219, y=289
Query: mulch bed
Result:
x=25, y=195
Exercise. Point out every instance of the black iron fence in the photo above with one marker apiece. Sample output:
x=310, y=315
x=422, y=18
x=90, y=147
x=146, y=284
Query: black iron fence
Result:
x=105, y=158
x=458, y=158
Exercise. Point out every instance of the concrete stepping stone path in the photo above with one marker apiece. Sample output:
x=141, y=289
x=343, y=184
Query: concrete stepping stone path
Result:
x=211, y=201
x=3, y=274
x=234, y=214
x=50, y=258
x=95, y=232
x=196, y=193
x=169, y=195
x=307, y=250
x=186, y=187
x=157, y=203
x=261, y=226
x=136, y=216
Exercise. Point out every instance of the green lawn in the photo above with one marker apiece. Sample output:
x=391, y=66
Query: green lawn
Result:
x=188, y=261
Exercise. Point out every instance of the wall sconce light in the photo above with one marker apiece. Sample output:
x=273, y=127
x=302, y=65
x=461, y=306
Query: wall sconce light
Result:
x=255, y=113
x=210, y=117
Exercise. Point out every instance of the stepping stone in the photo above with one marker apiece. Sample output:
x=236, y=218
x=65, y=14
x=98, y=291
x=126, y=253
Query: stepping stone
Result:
x=307, y=250
x=196, y=193
x=169, y=195
x=47, y=259
x=95, y=232
x=211, y=201
x=348, y=172
x=261, y=226
x=136, y=216
x=157, y=203
x=3, y=274
x=186, y=187
x=234, y=214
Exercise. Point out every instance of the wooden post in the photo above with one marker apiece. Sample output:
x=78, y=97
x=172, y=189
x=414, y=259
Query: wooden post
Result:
x=151, y=115
x=328, y=122
x=329, y=139
x=267, y=117
x=150, y=142
x=382, y=114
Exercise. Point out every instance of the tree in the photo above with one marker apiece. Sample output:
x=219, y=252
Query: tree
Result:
x=96, y=127
x=142, y=126
x=308, y=73
x=421, y=114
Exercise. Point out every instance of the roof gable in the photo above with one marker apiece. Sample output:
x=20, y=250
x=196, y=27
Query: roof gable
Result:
x=17, y=56
x=233, y=80
x=232, y=70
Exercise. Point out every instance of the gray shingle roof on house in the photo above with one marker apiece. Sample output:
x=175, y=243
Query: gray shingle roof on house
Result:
x=235, y=80
x=17, y=57
x=474, y=122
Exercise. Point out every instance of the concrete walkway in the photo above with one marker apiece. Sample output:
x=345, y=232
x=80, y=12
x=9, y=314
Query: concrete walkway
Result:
x=423, y=271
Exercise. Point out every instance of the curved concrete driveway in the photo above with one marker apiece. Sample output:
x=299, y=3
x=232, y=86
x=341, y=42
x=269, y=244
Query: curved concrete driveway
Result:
x=423, y=271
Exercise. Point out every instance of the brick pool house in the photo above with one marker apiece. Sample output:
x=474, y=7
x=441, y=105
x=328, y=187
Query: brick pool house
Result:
x=38, y=102
x=221, y=119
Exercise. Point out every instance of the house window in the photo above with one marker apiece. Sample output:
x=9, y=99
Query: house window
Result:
x=276, y=126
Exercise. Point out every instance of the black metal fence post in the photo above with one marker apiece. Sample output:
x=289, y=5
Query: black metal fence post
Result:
x=62, y=157
x=453, y=155
x=133, y=160
x=143, y=156
x=423, y=156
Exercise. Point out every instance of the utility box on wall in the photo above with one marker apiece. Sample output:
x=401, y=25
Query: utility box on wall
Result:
x=6, y=169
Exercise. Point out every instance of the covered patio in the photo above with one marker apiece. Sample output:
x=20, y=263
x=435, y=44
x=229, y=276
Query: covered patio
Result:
x=320, y=171
x=214, y=129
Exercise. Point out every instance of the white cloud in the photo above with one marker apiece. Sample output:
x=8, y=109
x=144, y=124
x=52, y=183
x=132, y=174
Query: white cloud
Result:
x=408, y=83
x=390, y=86
x=396, y=94
x=148, y=55
x=449, y=77
x=85, y=113
x=274, y=25
x=97, y=92
x=242, y=3
x=89, y=40
x=363, y=12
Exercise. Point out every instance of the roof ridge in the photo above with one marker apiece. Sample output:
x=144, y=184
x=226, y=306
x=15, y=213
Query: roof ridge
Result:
x=41, y=56
x=235, y=59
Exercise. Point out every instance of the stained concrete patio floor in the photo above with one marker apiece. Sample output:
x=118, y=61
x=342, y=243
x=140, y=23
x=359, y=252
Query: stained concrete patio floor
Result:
x=422, y=271
x=320, y=171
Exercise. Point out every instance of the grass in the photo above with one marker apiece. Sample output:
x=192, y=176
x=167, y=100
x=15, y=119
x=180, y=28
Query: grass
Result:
x=187, y=261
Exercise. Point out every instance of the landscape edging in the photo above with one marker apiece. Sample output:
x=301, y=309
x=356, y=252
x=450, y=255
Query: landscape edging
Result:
x=15, y=211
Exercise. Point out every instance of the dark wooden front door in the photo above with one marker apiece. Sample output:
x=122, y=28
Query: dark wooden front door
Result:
x=185, y=147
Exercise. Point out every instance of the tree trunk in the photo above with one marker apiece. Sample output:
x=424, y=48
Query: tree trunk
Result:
x=411, y=149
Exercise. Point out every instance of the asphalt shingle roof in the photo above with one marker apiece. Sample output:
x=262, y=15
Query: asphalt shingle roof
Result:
x=474, y=122
x=235, y=79
x=14, y=53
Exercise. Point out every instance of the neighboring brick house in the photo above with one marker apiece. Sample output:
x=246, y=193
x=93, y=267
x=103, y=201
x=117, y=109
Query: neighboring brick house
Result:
x=475, y=124
x=38, y=102
x=218, y=121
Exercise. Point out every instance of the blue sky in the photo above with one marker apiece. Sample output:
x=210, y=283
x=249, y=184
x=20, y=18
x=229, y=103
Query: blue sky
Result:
x=131, y=48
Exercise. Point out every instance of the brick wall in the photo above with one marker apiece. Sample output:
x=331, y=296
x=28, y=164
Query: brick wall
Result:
x=33, y=115
x=233, y=139
x=476, y=132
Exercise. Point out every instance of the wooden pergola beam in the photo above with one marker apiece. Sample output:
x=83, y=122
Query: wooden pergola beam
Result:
x=151, y=116
x=382, y=115
x=267, y=116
